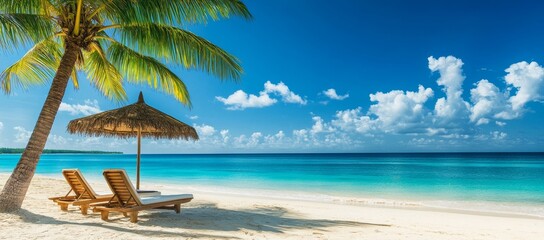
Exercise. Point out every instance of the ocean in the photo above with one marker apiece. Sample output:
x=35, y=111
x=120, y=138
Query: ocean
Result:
x=497, y=182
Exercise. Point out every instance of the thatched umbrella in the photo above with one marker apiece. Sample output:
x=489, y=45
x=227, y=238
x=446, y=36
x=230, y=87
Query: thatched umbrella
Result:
x=135, y=120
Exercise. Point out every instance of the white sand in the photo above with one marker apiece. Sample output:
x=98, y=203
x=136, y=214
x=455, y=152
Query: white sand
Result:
x=216, y=216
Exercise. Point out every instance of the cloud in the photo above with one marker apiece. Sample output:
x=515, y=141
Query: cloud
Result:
x=116, y=143
x=275, y=140
x=255, y=139
x=240, y=141
x=408, y=118
x=300, y=135
x=499, y=123
x=405, y=112
x=398, y=110
x=224, y=135
x=320, y=126
x=193, y=117
x=331, y=93
x=496, y=135
x=281, y=89
x=528, y=79
x=487, y=100
x=240, y=100
x=57, y=140
x=451, y=79
x=353, y=119
x=204, y=130
x=280, y=135
x=21, y=134
x=1, y=126
x=89, y=107
x=90, y=141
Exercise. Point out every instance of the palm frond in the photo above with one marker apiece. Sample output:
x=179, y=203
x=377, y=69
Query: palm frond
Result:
x=104, y=76
x=181, y=47
x=16, y=29
x=37, y=66
x=26, y=6
x=139, y=68
x=173, y=11
x=74, y=78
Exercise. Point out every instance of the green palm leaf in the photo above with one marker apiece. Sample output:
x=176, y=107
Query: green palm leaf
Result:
x=24, y=29
x=181, y=47
x=142, y=26
x=173, y=11
x=36, y=67
x=26, y=6
x=104, y=75
x=139, y=68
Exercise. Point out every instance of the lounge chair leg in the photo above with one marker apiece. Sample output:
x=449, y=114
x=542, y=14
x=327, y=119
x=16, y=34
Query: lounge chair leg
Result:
x=134, y=217
x=125, y=214
x=104, y=215
x=84, y=209
x=177, y=208
x=63, y=206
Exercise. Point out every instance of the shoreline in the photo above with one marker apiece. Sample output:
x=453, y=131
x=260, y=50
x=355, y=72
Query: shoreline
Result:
x=231, y=216
x=467, y=207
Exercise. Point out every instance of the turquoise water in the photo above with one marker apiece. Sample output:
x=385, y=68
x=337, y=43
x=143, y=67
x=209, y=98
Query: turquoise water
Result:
x=490, y=177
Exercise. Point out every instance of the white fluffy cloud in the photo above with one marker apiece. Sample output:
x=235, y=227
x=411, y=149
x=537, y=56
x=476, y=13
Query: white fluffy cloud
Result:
x=496, y=135
x=90, y=141
x=21, y=134
x=405, y=112
x=320, y=126
x=300, y=135
x=255, y=139
x=487, y=100
x=280, y=135
x=275, y=140
x=240, y=141
x=398, y=110
x=224, y=135
x=353, y=119
x=528, y=79
x=89, y=107
x=57, y=140
x=240, y=100
x=204, y=130
x=331, y=93
x=281, y=89
x=394, y=111
x=451, y=79
x=1, y=126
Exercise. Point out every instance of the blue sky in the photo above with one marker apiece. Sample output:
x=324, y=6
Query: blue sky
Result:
x=407, y=76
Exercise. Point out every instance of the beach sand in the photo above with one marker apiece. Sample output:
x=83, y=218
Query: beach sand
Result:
x=219, y=216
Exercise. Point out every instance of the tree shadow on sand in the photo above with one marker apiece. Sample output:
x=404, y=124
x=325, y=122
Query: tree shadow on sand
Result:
x=205, y=216
x=31, y=217
x=263, y=218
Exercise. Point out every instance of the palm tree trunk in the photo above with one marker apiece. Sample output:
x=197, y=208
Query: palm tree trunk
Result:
x=14, y=191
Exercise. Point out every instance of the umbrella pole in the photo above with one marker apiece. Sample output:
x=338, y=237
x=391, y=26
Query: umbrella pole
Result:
x=138, y=159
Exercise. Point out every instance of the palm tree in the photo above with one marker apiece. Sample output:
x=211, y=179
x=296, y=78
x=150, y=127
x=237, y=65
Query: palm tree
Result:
x=111, y=41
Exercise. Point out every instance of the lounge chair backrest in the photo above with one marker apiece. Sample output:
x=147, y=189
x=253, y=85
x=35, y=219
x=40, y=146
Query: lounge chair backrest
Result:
x=121, y=187
x=78, y=184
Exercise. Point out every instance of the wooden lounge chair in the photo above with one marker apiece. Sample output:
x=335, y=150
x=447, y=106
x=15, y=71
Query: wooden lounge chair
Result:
x=83, y=196
x=126, y=200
